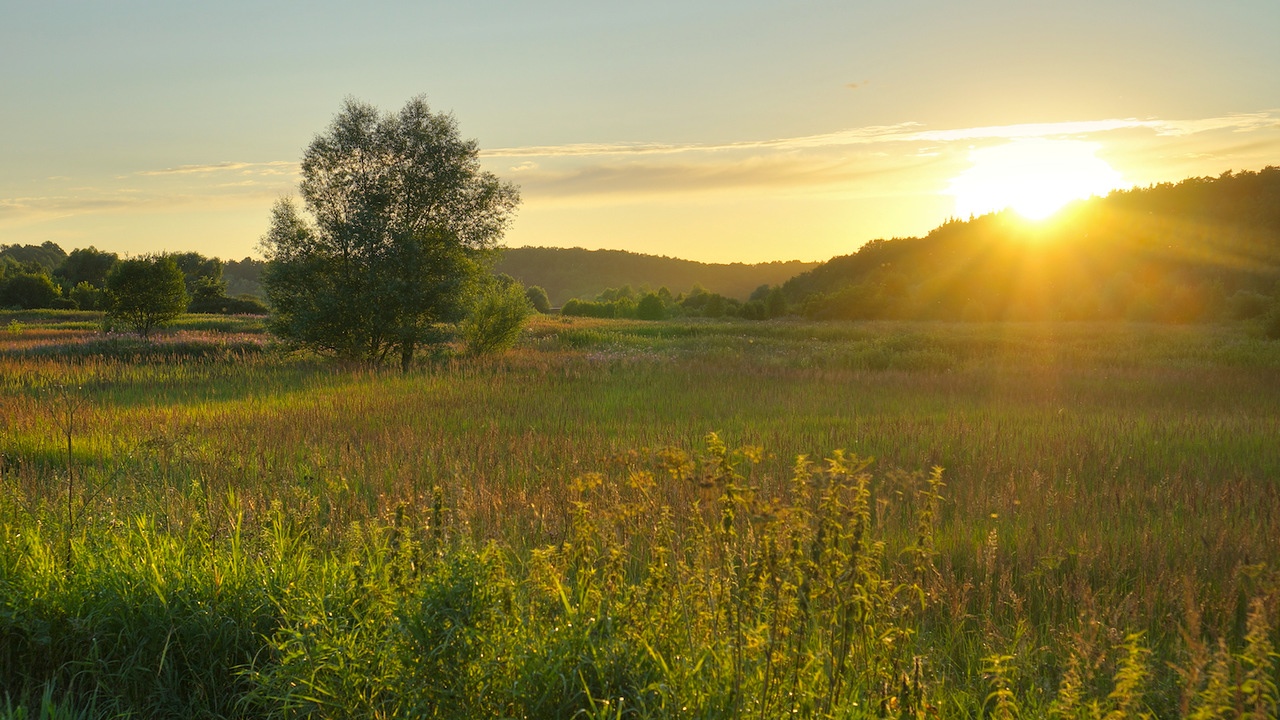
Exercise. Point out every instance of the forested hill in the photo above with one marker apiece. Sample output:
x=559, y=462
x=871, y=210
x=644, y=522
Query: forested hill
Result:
x=1200, y=249
x=577, y=273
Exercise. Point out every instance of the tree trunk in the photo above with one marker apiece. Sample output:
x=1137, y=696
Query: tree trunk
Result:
x=406, y=355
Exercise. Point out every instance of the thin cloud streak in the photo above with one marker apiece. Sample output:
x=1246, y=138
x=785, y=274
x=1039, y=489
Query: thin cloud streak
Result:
x=20, y=208
x=647, y=178
x=875, y=133
x=907, y=132
x=274, y=167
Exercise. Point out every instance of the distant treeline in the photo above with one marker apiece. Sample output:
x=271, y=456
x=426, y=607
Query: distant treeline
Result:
x=1201, y=249
x=764, y=303
x=1198, y=250
x=46, y=276
x=567, y=273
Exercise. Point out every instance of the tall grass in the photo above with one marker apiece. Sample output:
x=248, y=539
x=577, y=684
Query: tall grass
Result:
x=255, y=533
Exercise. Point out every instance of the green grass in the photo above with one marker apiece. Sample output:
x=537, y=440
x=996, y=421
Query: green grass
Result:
x=251, y=532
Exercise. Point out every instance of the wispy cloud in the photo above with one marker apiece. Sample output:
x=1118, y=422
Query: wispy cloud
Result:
x=901, y=160
x=124, y=200
x=56, y=205
x=216, y=186
x=877, y=133
x=648, y=177
x=907, y=132
x=275, y=167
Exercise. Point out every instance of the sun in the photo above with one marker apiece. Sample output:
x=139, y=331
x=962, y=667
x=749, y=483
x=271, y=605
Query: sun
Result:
x=1034, y=177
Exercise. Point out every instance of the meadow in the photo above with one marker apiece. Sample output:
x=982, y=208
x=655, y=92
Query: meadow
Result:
x=643, y=519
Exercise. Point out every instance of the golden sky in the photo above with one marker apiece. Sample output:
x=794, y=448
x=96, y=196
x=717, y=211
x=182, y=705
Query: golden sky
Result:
x=715, y=131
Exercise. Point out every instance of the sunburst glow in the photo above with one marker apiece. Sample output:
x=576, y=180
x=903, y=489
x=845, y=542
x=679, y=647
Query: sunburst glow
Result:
x=1033, y=177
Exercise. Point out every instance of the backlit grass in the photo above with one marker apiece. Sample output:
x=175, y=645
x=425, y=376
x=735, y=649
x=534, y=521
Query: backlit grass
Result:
x=1110, y=506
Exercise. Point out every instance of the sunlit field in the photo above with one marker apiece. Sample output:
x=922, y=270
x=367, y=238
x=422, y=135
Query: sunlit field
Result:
x=643, y=519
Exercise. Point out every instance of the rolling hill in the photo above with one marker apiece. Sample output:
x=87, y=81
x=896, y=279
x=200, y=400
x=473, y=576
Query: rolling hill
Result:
x=1195, y=250
x=577, y=273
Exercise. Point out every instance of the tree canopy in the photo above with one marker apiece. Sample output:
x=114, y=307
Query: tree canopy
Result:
x=397, y=215
x=89, y=265
x=28, y=290
x=45, y=256
x=145, y=292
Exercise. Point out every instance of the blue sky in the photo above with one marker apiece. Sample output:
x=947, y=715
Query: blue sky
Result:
x=715, y=131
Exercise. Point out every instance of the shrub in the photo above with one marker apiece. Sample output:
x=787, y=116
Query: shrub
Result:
x=222, y=305
x=753, y=310
x=1271, y=323
x=538, y=299
x=28, y=291
x=87, y=296
x=496, y=320
x=1246, y=304
x=650, y=308
x=620, y=308
x=776, y=303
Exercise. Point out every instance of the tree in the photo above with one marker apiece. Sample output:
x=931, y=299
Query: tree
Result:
x=775, y=303
x=45, y=257
x=146, y=292
x=243, y=277
x=28, y=290
x=397, y=219
x=86, y=265
x=538, y=299
x=715, y=306
x=202, y=276
x=650, y=307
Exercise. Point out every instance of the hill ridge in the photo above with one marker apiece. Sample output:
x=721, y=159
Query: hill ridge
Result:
x=580, y=273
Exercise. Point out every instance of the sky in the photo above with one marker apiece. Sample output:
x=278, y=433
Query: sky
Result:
x=740, y=131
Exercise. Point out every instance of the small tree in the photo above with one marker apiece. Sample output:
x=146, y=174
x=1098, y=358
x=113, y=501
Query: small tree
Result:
x=538, y=299
x=202, y=276
x=715, y=306
x=144, y=293
x=650, y=308
x=497, y=318
x=775, y=303
x=28, y=290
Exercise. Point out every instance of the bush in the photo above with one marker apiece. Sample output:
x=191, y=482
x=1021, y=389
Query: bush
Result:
x=715, y=306
x=538, y=299
x=1246, y=304
x=752, y=310
x=1271, y=323
x=775, y=304
x=620, y=308
x=87, y=296
x=496, y=320
x=28, y=291
x=650, y=308
x=222, y=305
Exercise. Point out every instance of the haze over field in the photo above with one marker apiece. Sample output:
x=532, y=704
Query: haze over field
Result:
x=716, y=132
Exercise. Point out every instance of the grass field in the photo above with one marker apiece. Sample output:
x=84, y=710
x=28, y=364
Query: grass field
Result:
x=207, y=525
